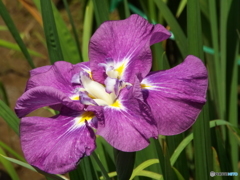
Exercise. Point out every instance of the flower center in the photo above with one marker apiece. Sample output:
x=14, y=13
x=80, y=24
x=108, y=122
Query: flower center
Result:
x=115, y=70
x=97, y=91
x=86, y=116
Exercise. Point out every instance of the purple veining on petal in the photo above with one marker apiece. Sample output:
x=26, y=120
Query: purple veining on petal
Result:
x=176, y=96
x=126, y=41
x=55, y=145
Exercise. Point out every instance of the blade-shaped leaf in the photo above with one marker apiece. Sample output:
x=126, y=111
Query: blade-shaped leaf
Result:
x=9, y=116
x=52, y=176
x=142, y=166
x=189, y=138
x=201, y=131
x=67, y=43
x=124, y=163
x=12, y=28
x=8, y=166
x=73, y=28
x=15, y=47
x=101, y=10
x=87, y=29
x=180, y=37
x=11, y=151
x=50, y=30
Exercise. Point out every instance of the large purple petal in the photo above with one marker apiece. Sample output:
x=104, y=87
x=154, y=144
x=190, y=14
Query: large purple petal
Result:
x=43, y=96
x=126, y=42
x=40, y=70
x=58, y=76
x=127, y=124
x=56, y=145
x=176, y=96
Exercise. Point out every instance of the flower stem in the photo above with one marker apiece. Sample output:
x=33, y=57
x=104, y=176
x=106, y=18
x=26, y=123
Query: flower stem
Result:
x=104, y=172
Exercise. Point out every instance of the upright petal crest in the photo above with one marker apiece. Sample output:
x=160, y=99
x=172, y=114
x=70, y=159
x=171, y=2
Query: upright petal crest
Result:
x=127, y=42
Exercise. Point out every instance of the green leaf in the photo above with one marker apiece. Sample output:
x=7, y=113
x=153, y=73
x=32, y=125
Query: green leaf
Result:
x=104, y=172
x=224, y=8
x=8, y=166
x=3, y=28
x=181, y=7
x=11, y=151
x=180, y=37
x=23, y=164
x=179, y=176
x=8, y=115
x=189, y=138
x=67, y=43
x=12, y=28
x=87, y=29
x=214, y=64
x=232, y=80
x=111, y=174
x=50, y=30
x=202, y=145
x=101, y=11
x=216, y=165
x=195, y=43
x=124, y=163
x=15, y=47
x=160, y=155
x=78, y=172
x=172, y=143
x=142, y=166
x=221, y=148
x=73, y=28
x=126, y=9
x=169, y=172
x=150, y=174
x=160, y=60
x=3, y=94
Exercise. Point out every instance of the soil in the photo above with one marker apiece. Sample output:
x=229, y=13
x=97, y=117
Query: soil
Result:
x=14, y=70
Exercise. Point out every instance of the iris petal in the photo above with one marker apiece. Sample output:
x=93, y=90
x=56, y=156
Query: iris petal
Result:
x=127, y=43
x=43, y=96
x=58, y=76
x=55, y=145
x=127, y=124
x=39, y=70
x=176, y=96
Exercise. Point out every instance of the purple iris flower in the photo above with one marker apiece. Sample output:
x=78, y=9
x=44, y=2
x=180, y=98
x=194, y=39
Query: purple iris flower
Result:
x=113, y=95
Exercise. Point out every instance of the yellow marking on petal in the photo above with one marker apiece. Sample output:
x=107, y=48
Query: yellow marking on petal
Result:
x=86, y=116
x=75, y=97
x=90, y=74
x=145, y=86
x=91, y=96
x=120, y=69
x=116, y=104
